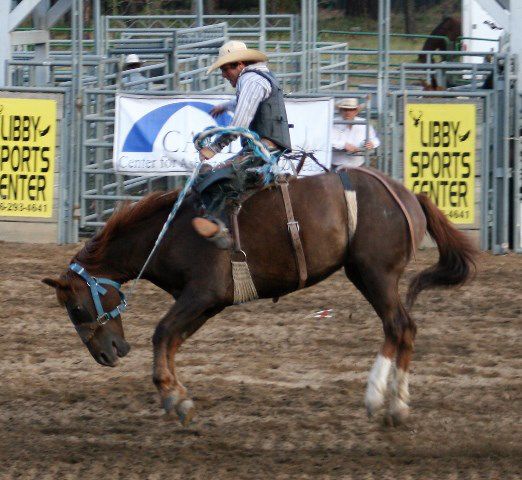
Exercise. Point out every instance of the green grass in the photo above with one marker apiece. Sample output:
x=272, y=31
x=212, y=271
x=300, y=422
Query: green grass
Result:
x=359, y=39
x=425, y=20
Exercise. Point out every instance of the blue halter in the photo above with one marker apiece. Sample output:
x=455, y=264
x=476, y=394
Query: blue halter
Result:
x=96, y=290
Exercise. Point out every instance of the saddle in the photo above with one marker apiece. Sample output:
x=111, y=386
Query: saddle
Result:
x=221, y=188
x=223, y=191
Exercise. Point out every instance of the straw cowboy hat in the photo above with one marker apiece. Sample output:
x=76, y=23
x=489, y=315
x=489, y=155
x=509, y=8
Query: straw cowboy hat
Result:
x=235, y=51
x=349, y=104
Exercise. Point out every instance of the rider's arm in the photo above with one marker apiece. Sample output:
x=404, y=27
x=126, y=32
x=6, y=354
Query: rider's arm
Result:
x=230, y=105
x=223, y=107
x=253, y=89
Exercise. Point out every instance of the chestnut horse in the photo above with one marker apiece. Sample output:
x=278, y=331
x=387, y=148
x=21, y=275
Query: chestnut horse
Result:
x=198, y=275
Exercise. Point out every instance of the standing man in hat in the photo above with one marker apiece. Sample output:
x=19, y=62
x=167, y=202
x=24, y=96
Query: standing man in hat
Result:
x=350, y=141
x=259, y=106
x=132, y=61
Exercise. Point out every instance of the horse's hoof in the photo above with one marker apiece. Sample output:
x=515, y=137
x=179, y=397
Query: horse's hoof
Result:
x=397, y=416
x=185, y=410
x=392, y=421
x=169, y=403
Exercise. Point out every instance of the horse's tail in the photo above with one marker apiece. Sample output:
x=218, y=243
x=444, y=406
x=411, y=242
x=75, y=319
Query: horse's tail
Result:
x=456, y=262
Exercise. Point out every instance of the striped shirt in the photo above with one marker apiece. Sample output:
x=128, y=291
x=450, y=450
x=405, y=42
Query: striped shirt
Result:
x=251, y=90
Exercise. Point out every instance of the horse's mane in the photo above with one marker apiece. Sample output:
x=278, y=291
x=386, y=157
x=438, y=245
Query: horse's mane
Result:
x=122, y=220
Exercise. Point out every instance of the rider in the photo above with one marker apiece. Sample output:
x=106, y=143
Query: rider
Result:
x=258, y=106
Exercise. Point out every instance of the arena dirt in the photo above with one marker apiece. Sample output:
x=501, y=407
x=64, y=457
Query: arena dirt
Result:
x=279, y=392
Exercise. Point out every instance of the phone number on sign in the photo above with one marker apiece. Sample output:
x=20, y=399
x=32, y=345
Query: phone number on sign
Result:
x=23, y=207
x=463, y=214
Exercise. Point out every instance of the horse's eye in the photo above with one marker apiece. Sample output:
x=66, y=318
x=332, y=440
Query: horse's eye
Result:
x=75, y=310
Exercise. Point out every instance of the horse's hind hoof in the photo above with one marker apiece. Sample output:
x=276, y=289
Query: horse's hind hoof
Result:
x=168, y=403
x=185, y=410
x=391, y=421
x=396, y=417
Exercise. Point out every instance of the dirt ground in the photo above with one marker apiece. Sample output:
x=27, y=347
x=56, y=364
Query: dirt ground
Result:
x=279, y=393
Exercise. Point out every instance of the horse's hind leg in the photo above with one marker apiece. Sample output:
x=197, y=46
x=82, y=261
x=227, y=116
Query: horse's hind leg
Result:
x=380, y=288
x=400, y=395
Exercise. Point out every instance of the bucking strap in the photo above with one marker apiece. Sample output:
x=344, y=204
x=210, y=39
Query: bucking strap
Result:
x=345, y=179
x=351, y=202
x=401, y=205
x=293, y=229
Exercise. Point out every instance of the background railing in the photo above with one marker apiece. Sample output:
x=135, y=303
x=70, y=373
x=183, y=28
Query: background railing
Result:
x=176, y=57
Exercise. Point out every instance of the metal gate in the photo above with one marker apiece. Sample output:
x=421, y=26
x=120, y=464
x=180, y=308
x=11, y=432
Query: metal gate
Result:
x=496, y=171
x=407, y=103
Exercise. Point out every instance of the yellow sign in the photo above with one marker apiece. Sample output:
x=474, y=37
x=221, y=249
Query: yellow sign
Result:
x=27, y=151
x=439, y=156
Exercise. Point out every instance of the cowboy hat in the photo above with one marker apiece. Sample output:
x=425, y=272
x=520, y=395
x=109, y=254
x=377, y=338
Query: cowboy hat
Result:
x=132, y=58
x=349, y=104
x=235, y=51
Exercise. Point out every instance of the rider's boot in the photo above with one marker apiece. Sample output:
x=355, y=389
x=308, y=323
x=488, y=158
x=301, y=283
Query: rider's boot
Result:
x=214, y=231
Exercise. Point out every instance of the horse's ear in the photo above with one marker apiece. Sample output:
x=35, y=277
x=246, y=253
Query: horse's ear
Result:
x=57, y=283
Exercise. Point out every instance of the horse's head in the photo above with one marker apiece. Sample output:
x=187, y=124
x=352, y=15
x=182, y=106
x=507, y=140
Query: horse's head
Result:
x=94, y=306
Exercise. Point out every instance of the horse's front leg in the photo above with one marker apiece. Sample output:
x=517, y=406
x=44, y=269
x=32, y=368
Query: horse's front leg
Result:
x=182, y=320
x=178, y=399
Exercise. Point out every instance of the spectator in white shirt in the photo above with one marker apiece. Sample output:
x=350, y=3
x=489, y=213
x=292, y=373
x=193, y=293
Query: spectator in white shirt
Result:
x=351, y=140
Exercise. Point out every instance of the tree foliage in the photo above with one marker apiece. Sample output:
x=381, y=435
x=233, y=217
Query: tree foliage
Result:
x=369, y=8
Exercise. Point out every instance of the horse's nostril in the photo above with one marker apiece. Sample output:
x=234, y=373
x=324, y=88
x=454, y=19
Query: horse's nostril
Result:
x=105, y=358
x=121, y=349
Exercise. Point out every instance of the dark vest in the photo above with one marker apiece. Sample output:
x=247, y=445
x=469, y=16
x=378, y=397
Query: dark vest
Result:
x=270, y=120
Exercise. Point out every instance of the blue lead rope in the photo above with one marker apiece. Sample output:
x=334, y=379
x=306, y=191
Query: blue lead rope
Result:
x=172, y=214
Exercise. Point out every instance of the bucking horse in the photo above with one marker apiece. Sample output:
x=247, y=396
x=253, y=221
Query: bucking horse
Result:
x=369, y=225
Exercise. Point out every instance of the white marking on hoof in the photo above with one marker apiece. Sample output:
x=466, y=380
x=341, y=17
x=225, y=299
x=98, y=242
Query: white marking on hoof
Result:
x=377, y=384
x=400, y=396
x=169, y=401
x=185, y=410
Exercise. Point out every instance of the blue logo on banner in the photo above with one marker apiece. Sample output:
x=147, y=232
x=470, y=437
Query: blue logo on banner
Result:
x=144, y=132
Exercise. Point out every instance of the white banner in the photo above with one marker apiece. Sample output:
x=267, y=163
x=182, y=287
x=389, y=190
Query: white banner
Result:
x=153, y=136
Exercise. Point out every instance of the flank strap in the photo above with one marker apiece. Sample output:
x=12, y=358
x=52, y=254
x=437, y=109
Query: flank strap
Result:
x=401, y=205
